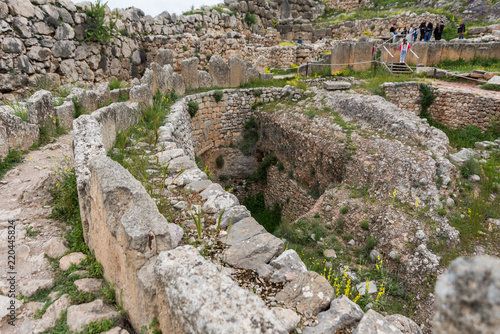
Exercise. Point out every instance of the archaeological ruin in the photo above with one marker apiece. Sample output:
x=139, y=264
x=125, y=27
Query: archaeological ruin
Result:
x=253, y=166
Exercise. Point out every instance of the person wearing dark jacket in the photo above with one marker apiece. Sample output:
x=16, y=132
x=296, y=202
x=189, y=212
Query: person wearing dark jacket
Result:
x=438, y=32
x=461, y=30
x=422, y=30
x=428, y=34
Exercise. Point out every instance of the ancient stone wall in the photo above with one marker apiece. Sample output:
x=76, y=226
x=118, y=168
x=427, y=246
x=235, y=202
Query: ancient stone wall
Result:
x=348, y=5
x=435, y=52
x=452, y=108
x=134, y=242
x=221, y=123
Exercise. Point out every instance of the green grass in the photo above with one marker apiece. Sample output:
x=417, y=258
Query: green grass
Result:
x=115, y=84
x=491, y=87
x=17, y=109
x=463, y=66
x=467, y=136
x=269, y=218
x=13, y=158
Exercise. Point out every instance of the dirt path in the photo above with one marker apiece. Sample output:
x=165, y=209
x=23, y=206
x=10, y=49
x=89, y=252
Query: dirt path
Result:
x=23, y=197
x=466, y=88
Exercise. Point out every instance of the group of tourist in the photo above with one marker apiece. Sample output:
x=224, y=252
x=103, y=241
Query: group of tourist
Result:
x=426, y=29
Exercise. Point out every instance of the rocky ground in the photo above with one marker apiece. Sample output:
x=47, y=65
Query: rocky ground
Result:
x=41, y=252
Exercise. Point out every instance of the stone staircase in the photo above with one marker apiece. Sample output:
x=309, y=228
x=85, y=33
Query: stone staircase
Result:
x=398, y=68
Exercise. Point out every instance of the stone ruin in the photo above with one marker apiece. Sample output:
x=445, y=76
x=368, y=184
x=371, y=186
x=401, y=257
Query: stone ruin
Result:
x=139, y=248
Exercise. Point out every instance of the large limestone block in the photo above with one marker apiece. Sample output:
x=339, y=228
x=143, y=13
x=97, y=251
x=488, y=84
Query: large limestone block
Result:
x=341, y=314
x=189, y=70
x=21, y=8
x=13, y=45
x=287, y=266
x=405, y=325
x=374, y=323
x=203, y=300
x=236, y=72
x=52, y=313
x=468, y=297
x=15, y=133
x=341, y=54
x=310, y=293
x=219, y=71
x=178, y=84
x=141, y=94
x=204, y=79
x=80, y=316
x=165, y=57
x=40, y=110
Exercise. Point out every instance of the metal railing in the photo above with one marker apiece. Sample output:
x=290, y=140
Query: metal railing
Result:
x=382, y=57
x=418, y=58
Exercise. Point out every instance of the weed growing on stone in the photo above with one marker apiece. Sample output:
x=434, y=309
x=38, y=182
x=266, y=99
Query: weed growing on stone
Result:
x=31, y=232
x=98, y=29
x=18, y=109
x=193, y=108
x=218, y=95
x=13, y=158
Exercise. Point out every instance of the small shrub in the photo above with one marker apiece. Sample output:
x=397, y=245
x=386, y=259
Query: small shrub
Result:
x=442, y=211
x=115, y=84
x=317, y=215
x=193, y=108
x=223, y=177
x=365, y=225
x=344, y=209
x=218, y=95
x=250, y=19
x=280, y=166
x=220, y=161
x=257, y=92
x=470, y=167
x=427, y=99
x=250, y=124
x=97, y=29
x=340, y=224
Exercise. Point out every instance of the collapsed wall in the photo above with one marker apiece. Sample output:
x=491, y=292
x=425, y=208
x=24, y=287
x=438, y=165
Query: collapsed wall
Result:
x=453, y=108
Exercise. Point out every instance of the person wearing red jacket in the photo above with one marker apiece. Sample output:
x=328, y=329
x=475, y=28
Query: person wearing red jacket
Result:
x=404, y=48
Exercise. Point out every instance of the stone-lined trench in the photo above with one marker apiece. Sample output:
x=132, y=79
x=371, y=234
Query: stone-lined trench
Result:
x=256, y=153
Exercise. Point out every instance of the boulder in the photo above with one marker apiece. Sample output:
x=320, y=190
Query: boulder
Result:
x=90, y=285
x=73, y=258
x=237, y=213
x=165, y=57
x=39, y=54
x=189, y=71
x=52, y=314
x=462, y=156
x=5, y=303
x=21, y=8
x=64, y=31
x=236, y=72
x=310, y=293
x=204, y=79
x=251, y=247
x=55, y=248
x=219, y=71
x=65, y=114
x=336, y=85
x=287, y=317
x=494, y=80
x=24, y=65
x=206, y=300
x=342, y=313
x=79, y=316
x=141, y=94
x=468, y=296
x=374, y=323
x=287, y=266
x=405, y=325
x=13, y=45
x=178, y=84
x=63, y=49
x=40, y=110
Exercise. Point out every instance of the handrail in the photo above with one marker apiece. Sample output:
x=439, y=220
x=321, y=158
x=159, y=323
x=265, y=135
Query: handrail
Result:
x=418, y=58
x=388, y=51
